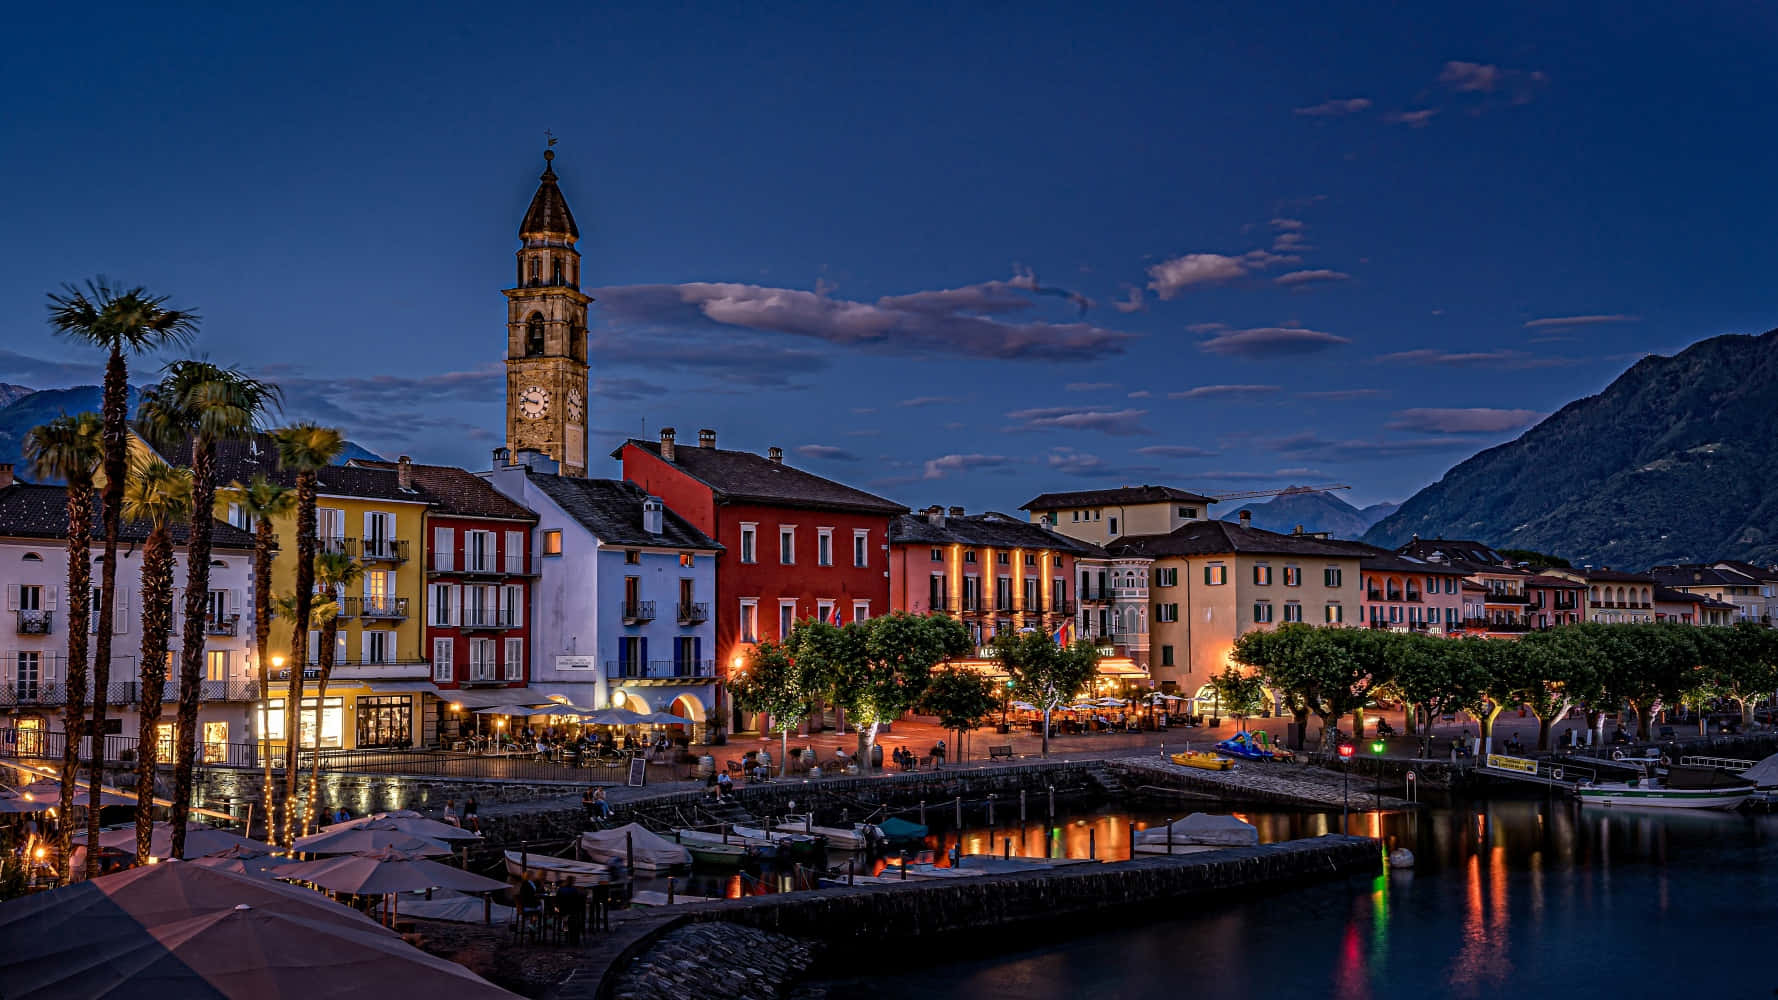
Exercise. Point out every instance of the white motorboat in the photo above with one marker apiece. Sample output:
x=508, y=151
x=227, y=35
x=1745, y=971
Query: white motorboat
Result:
x=555, y=869
x=857, y=838
x=1682, y=787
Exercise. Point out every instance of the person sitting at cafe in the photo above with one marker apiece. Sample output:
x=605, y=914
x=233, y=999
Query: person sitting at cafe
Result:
x=724, y=785
x=571, y=904
x=529, y=899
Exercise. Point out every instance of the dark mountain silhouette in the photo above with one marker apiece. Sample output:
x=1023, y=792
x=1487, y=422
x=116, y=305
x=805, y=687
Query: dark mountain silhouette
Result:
x=1313, y=512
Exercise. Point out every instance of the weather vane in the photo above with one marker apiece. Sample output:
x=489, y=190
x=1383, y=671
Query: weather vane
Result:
x=551, y=136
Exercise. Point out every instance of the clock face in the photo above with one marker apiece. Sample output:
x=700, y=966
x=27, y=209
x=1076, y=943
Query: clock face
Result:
x=575, y=408
x=534, y=402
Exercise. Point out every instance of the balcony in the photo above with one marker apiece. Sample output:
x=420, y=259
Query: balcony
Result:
x=660, y=670
x=336, y=546
x=695, y=613
x=637, y=612
x=35, y=622
x=1486, y=625
x=225, y=625
x=1502, y=597
x=390, y=550
x=488, y=618
x=382, y=608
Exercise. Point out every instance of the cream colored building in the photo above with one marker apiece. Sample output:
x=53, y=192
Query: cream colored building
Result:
x=1104, y=516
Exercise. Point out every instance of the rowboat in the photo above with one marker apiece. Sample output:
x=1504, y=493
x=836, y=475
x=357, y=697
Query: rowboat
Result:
x=710, y=850
x=555, y=869
x=857, y=838
x=1203, y=760
x=798, y=846
x=650, y=897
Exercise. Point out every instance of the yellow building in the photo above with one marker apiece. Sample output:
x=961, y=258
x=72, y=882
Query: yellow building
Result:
x=1101, y=517
x=376, y=693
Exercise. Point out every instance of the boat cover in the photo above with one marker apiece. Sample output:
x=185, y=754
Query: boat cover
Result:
x=896, y=828
x=1692, y=776
x=652, y=851
x=1204, y=828
x=1764, y=774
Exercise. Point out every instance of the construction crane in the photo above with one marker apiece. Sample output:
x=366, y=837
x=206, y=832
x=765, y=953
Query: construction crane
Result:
x=1286, y=492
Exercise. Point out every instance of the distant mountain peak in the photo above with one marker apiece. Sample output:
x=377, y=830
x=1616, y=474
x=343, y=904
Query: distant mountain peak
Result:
x=1313, y=512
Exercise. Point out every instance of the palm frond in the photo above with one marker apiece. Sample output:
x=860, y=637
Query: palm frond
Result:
x=68, y=448
x=307, y=447
x=157, y=493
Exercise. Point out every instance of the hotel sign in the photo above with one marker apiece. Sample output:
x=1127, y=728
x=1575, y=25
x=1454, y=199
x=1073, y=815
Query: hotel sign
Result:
x=1501, y=762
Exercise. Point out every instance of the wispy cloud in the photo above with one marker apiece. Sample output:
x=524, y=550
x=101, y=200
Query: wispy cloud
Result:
x=945, y=465
x=970, y=321
x=1276, y=475
x=1100, y=419
x=1170, y=277
x=1296, y=279
x=1566, y=322
x=622, y=389
x=1517, y=85
x=1418, y=118
x=1069, y=462
x=48, y=373
x=1308, y=444
x=1175, y=451
x=1224, y=391
x=1270, y=342
x=1342, y=395
x=1131, y=302
x=1504, y=359
x=825, y=451
x=1089, y=386
x=1335, y=108
x=927, y=401
x=1471, y=420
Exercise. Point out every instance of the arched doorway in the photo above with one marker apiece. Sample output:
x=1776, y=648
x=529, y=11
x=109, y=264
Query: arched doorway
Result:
x=689, y=707
x=630, y=701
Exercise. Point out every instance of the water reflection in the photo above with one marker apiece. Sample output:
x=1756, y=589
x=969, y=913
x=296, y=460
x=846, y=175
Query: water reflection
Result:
x=1537, y=896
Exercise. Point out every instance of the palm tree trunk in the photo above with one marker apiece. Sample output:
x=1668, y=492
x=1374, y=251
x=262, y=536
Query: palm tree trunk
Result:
x=299, y=641
x=191, y=647
x=329, y=634
x=157, y=623
x=80, y=603
x=263, y=544
x=114, y=412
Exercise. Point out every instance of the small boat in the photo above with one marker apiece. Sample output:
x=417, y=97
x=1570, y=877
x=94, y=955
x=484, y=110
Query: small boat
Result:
x=997, y=864
x=555, y=869
x=1244, y=746
x=899, y=831
x=634, y=845
x=1196, y=833
x=797, y=846
x=650, y=897
x=719, y=855
x=1203, y=760
x=856, y=839
x=1683, y=787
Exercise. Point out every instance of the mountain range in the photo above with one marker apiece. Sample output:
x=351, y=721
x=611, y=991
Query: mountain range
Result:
x=1675, y=461
x=22, y=408
x=1313, y=512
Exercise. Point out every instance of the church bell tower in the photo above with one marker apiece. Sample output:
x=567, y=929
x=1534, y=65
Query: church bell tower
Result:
x=546, y=339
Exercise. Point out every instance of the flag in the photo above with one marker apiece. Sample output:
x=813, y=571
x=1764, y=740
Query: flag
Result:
x=1060, y=635
x=836, y=614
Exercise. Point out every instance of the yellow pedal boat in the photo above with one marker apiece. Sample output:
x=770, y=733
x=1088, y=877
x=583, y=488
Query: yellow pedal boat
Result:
x=1204, y=760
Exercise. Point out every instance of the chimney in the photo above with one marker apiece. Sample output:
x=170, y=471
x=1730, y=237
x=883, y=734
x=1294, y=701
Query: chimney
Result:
x=775, y=455
x=652, y=515
x=706, y=438
x=667, y=443
x=956, y=512
x=1246, y=518
x=502, y=457
x=1299, y=529
x=1697, y=575
x=404, y=473
x=5, y=475
x=935, y=516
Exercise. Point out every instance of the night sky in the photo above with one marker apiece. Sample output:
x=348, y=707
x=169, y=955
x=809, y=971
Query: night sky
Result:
x=958, y=253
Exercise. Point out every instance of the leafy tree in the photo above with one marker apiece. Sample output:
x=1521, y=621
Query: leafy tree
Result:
x=961, y=698
x=1433, y=678
x=1372, y=665
x=158, y=495
x=335, y=573
x=263, y=501
x=121, y=321
x=69, y=448
x=879, y=667
x=304, y=449
x=1241, y=694
x=1565, y=671
x=1045, y=674
x=1330, y=671
x=785, y=690
x=1507, y=670
x=196, y=405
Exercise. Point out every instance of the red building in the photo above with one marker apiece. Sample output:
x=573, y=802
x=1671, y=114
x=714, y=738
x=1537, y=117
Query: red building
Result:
x=478, y=584
x=795, y=545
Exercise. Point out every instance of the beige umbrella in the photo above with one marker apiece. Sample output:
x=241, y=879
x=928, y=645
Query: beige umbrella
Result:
x=179, y=930
x=200, y=840
x=44, y=794
x=369, y=837
x=408, y=822
x=245, y=861
x=379, y=873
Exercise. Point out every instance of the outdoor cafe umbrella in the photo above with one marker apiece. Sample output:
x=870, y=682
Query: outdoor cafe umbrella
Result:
x=245, y=861
x=369, y=837
x=199, y=841
x=181, y=930
x=379, y=873
x=613, y=717
x=666, y=719
x=408, y=822
x=44, y=794
x=511, y=709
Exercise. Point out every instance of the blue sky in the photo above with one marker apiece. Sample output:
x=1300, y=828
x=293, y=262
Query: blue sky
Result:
x=1227, y=248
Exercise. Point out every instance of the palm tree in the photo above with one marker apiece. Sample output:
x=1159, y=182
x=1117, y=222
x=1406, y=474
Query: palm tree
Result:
x=304, y=449
x=335, y=573
x=199, y=403
x=263, y=501
x=159, y=495
x=69, y=448
x=118, y=320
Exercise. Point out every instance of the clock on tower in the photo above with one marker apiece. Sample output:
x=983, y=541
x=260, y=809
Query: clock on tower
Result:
x=546, y=364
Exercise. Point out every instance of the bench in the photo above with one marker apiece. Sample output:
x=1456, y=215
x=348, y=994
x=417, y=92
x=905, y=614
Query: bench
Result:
x=1000, y=751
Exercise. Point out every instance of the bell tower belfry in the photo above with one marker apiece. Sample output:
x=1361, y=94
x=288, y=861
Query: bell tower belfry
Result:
x=546, y=338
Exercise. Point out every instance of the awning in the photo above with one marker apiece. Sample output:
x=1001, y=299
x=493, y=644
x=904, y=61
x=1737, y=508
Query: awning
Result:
x=582, y=693
x=403, y=687
x=1121, y=667
x=489, y=697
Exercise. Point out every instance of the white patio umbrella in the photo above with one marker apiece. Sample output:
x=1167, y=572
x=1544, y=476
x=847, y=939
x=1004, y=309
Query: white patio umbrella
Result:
x=373, y=836
x=380, y=873
x=409, y=822
x=200, y=840
x=613, y=717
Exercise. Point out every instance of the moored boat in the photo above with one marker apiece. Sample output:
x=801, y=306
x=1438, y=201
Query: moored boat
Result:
x=555, y=869
x=1244, y=746
x=719, y=855
x=1683, y=787
x=857, y=838
x=796, y=846
x=1203, y=760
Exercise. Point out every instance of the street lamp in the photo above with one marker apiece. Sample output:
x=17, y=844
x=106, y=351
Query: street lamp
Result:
x=1346, y=787
x=1377, y=748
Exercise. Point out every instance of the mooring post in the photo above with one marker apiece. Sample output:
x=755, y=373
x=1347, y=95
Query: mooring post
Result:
x=630, y=850
x=990, y=810
x=959, y=812
x=1132, y=840
x=922, y=812
x=851, y=870
x=1052, y=802
x=1021, y=805
x=1092, y=845
x=669, y=890
x=1007, y=849
x=1169, y=836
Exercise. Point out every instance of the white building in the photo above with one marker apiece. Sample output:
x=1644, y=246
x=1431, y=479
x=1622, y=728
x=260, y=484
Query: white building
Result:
x=33, y=646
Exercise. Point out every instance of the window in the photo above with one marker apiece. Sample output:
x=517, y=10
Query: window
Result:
x=444, y=669
x=1168, y=577
x=1003, y=592
x=632, y=557
x=1001, y=558
x=534, y=325
x=481, y=660
x=216, y=665
x=748, y=533
x=1331, y=576
x=824, y=546
x=1293, y=612
x=441, y=608
x=860, y=611
x=969, y=556
x=1076, y=515
x=1113, y=529
x=938, y=555
x=1335, y=613
x=972, y=593
x=515, y=552
x=1033, y=594
x=824, y=612
x=379, y=647
x=749, y=619
x=1293, y=576
x=787, y=546
x=687, y=560
x=1450, y=585
x=515, y=659
x=332, y=714
x=379, y=534
x=861, y=547
x=786, y=619
x=1166, y=612
x=552, y=543
x=1215, y=575
x=514, y=606
x=1262, y=611
x=1262, y=575
x=1030, y=558
x=1188, y=512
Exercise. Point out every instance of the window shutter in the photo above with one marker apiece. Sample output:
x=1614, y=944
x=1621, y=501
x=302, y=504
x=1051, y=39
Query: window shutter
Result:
x=442, y=540
x=515, y=552
x=47, y=668
x=49, y=598
x=8, y=667
x=642, y=653
x=12, y=597
x=234, y=603
x=455, y=603
x=364, y=647
x=120, y=613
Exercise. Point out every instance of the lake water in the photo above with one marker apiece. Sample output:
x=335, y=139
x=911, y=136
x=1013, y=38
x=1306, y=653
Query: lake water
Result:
x=1522, y=898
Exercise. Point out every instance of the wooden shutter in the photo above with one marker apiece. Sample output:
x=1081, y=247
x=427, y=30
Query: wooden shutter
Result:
x=515, y=552
x=442, y=540
x=49, y=598
x=120, y=613
x=12, y=597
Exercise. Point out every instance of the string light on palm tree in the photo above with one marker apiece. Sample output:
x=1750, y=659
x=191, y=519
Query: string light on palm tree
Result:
x=261, y=502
